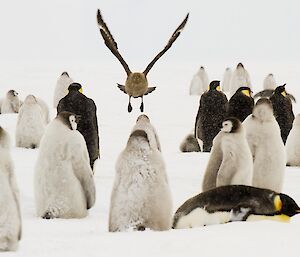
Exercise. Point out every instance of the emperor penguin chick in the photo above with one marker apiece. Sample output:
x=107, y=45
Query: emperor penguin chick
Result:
x=11, y=103
x=199, y=83
x=226, y=80
x=293, y=144
x=10, y=216
x=230, y=162
x=240, y=78
x=61, y=89
x=63, y=181
x=31, y=124
x=141, y=196
x=263, y=135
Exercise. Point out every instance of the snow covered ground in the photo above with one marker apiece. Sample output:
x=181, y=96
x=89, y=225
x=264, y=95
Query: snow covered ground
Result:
x=41, y=39
x=172, y=111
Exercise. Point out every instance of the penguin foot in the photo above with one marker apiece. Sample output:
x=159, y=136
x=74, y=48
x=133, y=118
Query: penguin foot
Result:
x=129, y=107
x=142, y=107
x=48, y=215
x=140, y=228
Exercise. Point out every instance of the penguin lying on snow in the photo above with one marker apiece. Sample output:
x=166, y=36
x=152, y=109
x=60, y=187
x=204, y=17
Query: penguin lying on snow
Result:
x=230, y=162
x=141, y=196
x=283, y=111
x=78, y=103
x=136, y=84
x=63, y=181
x=10, y=216
x=211, y=113
x=234, y=203
x=241, y=104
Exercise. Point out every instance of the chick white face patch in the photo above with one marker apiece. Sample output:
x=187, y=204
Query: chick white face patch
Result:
x=227, y=126
x=73, y=123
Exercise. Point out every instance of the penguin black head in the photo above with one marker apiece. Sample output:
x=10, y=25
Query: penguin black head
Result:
x=65, y=74
x=245, y=91
x=280, y=90
x=75, y=87
x=12, y=93
x=240, y=65
x=287, y=205
x=215, y=85
x=231, y=125
x=69, y=119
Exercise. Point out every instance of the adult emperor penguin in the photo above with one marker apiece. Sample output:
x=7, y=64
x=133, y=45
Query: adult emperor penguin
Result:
x=240, y=78
x=200, y=82
x=234, y=203
x=293, y=145
x=226, y=80
x=10, y=216
x=76, y=102
x=141, y=195
x=31, y=124
x=61, y=89
x=241, y=104
x=211, y=113
x=11, y=103
x=283, y=111
x=269, y=85
x=63, y=180
x=263, y=135
x=230, y=162
x=136, y=84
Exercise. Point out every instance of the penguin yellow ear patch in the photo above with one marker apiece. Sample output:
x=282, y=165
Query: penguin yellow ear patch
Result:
x=246, y=92
x=80, y=90
x=283, y=93
x=277, y=203
x=218, y=88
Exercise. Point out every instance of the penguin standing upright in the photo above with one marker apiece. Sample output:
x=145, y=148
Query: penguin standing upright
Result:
x=199, y=83
x=63, y=180
x=263, y=135
x=78, y=103
x=234, y=203
x=240, y=78
x=230, y=162
x=241, y=104
x=211, y=113
x=61, y=89
x=10, y=216
x=11, y=103
x=226, y=80
x=31, y=123
x=141, y=196
x=283, y=111
x=293, y=144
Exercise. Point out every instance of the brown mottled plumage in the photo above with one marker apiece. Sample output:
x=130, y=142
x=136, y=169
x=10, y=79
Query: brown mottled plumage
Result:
x=136, y=84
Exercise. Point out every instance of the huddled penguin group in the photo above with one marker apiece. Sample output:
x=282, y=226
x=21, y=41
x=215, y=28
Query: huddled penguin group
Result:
x=242, y=181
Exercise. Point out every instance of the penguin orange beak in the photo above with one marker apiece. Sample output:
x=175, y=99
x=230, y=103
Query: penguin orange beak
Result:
x=297, y=211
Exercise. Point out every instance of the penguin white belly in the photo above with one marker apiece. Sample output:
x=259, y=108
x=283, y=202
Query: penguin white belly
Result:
x=196, y=87
x=200, y=217
x=293, y=147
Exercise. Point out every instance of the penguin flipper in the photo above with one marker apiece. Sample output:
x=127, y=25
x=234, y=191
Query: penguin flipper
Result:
x=150, y=89
x=264, y=93
x=122, y=88
x=240, y=213
x=291, y=97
